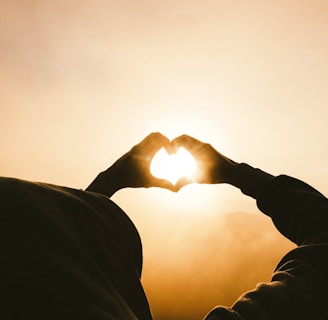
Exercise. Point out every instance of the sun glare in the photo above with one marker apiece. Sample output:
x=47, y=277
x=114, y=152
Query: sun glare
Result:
x=173, y=167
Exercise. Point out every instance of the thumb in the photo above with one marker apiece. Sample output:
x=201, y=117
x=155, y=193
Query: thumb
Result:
x=183, y=182
x=162, y=183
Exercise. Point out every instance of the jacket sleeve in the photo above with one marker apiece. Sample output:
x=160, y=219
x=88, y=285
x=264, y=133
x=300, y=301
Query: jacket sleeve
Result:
x=298, y=289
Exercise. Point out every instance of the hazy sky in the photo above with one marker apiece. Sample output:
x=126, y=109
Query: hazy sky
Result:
x=83, y=81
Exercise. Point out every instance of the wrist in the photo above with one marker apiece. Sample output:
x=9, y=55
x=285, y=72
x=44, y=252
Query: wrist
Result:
x=105, y=183
x=248, y=179
x=232, y=172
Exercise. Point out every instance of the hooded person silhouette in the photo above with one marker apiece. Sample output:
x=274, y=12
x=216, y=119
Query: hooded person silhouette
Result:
x=74, y=254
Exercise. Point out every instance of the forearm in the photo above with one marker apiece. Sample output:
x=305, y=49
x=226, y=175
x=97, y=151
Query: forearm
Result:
x=298, y=210
x=298, y=285
x=249, y=180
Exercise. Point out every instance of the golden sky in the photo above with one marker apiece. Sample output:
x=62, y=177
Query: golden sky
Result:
x=83, y=81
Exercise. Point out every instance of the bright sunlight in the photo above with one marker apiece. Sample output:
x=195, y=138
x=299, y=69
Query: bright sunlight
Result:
x=173, y=167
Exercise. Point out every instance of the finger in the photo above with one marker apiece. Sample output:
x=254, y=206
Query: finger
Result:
x=162, y=183
x=183, y=182
x=170, y=149
x=154, y=142
x=187, y=142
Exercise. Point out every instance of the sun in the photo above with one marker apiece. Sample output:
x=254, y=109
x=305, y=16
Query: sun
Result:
x=173, y=167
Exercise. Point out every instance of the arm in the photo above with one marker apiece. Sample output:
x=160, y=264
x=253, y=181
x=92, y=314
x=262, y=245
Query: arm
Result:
x=213, y=168
x=299, y=283
x=298, y=286
x=133, y=169
x=298, y=211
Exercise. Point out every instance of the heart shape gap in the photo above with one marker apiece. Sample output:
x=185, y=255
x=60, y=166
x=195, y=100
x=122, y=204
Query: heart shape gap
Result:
x=173, y=167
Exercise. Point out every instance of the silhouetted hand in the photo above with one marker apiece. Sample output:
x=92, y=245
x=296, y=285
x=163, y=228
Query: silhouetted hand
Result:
x=133, y=168
x=212, y=166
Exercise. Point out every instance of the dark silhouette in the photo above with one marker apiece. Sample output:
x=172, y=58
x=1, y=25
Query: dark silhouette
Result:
x=73, y=254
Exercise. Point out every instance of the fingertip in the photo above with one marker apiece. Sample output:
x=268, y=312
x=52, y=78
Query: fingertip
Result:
x=162, y=183
x=162, y=139
x=183, y=182
x=179, y=138
x=184, y=141
x=155, y=141
x=170, y=149
x=176, y=143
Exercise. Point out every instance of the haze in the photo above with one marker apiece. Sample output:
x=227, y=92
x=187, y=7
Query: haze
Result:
x=83, y=81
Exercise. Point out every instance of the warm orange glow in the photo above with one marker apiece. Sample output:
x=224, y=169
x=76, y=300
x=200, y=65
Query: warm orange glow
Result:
x=84, y=81
x=173, y=167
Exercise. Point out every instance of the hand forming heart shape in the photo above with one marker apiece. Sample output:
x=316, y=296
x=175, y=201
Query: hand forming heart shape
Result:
x=173, y=167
